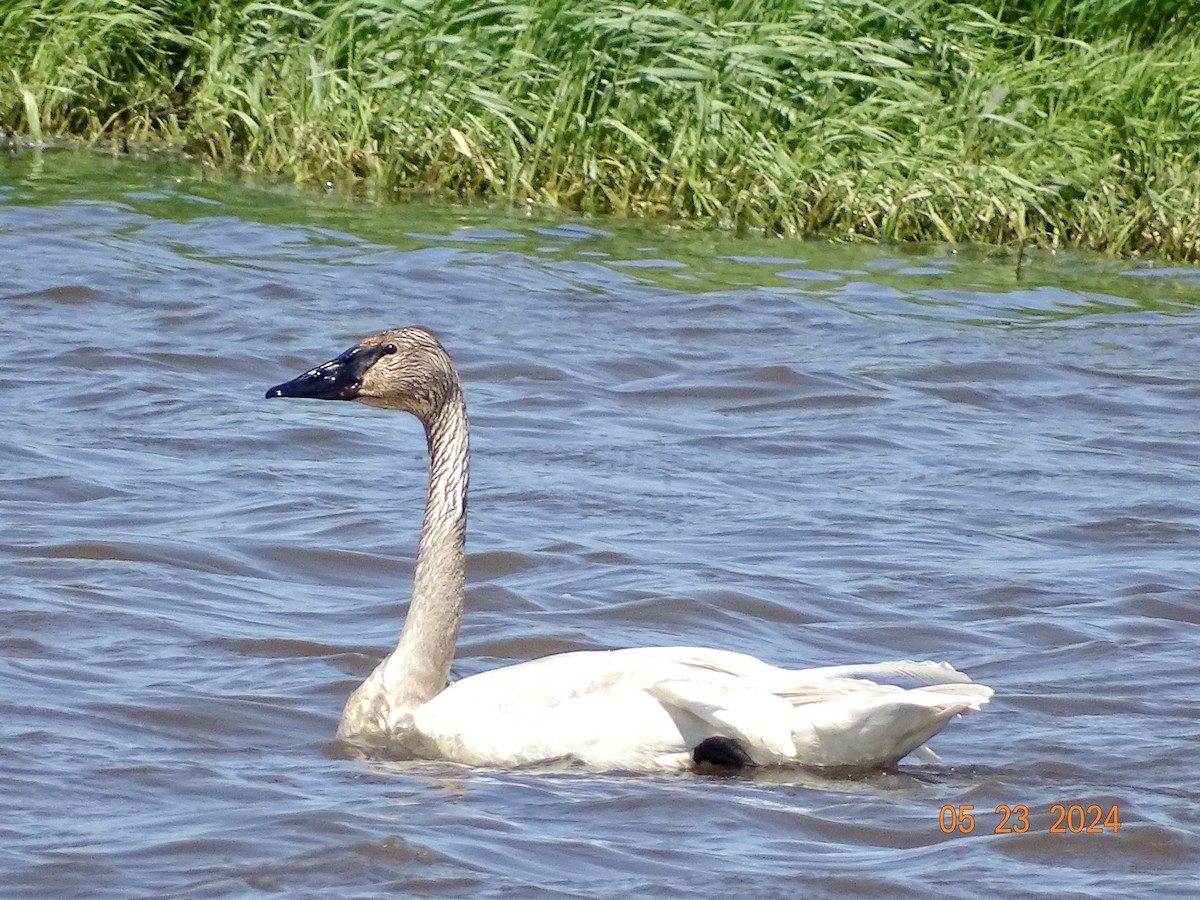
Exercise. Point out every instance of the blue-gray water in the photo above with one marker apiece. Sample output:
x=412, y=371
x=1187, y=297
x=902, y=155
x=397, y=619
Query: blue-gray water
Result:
x=813, y=454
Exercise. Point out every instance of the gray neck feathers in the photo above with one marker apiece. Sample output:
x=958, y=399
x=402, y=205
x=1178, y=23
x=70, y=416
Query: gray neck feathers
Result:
x=420, y=665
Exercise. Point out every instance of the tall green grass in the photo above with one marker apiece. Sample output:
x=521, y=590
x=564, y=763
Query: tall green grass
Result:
x=1064, y=124
x=1141, y=20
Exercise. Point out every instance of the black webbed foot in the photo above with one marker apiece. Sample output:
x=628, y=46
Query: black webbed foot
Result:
x=721, y=756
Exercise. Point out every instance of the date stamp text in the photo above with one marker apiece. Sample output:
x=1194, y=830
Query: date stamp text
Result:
x=1074, y=818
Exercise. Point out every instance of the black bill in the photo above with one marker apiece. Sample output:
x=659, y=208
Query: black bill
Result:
x=338, y=379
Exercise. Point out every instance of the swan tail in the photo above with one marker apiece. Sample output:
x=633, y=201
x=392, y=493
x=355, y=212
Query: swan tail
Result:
x=879, y=728
x=830, y=716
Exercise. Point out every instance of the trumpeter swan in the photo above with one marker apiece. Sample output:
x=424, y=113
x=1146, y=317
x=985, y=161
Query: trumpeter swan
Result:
x=655, y=708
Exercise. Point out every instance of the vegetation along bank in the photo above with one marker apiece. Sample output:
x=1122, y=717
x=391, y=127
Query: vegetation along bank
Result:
x=1034, y=121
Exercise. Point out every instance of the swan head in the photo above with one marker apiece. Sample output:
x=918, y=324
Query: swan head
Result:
x=402, y=368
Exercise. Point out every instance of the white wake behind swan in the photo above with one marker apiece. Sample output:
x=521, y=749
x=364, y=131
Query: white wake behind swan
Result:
x=648, y=709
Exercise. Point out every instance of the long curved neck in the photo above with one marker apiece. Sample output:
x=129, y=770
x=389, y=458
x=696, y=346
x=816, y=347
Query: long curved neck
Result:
x=420, y=665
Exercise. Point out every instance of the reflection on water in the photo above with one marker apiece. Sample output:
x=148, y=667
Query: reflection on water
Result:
x=814, y=454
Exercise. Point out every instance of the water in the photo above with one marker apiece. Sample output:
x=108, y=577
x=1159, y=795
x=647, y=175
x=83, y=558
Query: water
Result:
x=810, y=453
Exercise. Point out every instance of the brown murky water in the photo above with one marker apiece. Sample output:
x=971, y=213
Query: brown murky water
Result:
x=812, y=454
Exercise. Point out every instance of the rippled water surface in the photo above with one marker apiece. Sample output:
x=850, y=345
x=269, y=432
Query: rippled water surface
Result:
x=813, y=454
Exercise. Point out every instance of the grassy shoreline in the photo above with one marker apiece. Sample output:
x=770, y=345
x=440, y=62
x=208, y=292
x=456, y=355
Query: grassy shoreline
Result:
x=1034, y=121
